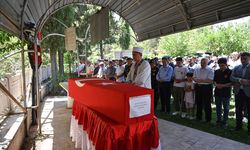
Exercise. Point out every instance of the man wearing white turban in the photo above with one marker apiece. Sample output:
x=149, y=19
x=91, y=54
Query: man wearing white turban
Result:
x=140, y=72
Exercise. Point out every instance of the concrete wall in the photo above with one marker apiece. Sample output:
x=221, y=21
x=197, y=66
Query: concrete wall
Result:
x=15, y=88
x=18, y=138
x=14, y=127
x=14, y=84
x=5, y=103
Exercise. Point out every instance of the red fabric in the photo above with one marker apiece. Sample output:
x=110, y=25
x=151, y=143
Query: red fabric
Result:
x=39, y=54
x=108, y=135
x=110, y=100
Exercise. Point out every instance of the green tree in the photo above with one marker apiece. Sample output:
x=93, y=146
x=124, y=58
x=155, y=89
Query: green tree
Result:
x=218, y=39
x=124, y=39
x=150, y=47
x=175, y=44
x=82, y=22
x=55, y=44
x=9, y=43
x=224, y=39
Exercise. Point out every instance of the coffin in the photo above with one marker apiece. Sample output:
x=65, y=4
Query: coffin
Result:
x=123, y=103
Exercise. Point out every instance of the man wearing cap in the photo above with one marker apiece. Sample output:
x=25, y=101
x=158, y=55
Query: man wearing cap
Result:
x=164, y=77
x=241, y=81
x=140, y=71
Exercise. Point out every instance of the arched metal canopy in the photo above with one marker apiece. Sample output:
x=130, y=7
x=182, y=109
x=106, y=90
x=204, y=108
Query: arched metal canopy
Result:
x=148, y=18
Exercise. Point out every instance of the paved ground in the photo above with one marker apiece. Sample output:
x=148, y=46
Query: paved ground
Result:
x=177, y=137
x=55, y=121
x=56, y=126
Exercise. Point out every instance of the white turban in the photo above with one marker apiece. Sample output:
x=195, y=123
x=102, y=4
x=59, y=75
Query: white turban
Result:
x=138, y=49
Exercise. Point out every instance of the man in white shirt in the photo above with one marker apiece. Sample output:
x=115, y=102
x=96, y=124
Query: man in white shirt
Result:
x=203, y=76
x=120, y=72
x=180, y=72
x=101, y=71
x=234, y=60
x=140, y=71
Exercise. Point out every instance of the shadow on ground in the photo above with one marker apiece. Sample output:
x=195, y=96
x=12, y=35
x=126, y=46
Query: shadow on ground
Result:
x=55, y=120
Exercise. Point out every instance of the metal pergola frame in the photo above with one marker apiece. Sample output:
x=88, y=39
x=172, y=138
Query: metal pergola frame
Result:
x=147, y=18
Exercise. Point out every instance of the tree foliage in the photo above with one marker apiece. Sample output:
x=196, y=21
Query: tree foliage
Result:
x=9, y=43
x=217, y=39
x=124, y=39
x=150, y=47
x=225, y=40
x=175, y=45
x=54, y=25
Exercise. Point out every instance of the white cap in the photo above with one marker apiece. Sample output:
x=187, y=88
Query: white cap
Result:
x=138, y=49
x=101, y=63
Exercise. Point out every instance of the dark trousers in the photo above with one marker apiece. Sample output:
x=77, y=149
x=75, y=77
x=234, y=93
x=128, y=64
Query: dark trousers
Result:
x=222, y=101
x=165, y=95
x=203, y=96
x=241, y=100
x=156, y=94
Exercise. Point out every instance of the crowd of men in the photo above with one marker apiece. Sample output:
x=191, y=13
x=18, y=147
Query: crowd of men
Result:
x=193, y=82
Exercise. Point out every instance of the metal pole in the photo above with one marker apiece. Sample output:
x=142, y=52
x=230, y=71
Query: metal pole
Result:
x=37, y=85
x=10, y=54
x=23, y=64
x=23, y=68
x=24, y=78
x=78, y=58
x=34, y=111
x=52, y=34
x=60, y=22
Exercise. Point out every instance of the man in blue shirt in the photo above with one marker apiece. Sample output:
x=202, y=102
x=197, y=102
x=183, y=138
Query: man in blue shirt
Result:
x=164, y=77
x=81, y=66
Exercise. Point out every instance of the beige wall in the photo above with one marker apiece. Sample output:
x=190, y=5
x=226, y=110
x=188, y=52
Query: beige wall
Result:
x=14, y=84
x=5, y=103
x=17, y=141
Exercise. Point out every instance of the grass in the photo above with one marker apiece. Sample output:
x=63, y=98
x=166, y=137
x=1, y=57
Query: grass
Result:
x=212, y=128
